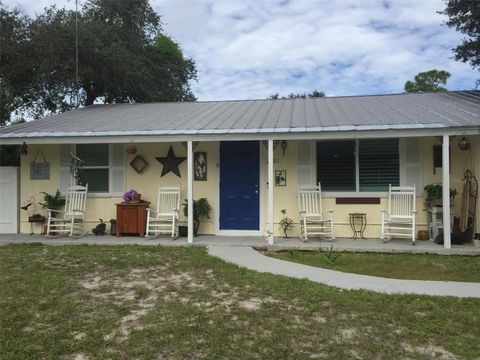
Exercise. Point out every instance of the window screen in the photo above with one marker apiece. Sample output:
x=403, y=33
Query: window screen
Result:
x=378, y=164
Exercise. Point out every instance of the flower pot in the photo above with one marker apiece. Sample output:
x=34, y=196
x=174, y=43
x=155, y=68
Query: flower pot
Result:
x=476, y=242
x=423, y=235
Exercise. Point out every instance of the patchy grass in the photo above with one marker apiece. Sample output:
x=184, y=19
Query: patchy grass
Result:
x=85, y=302
x=397, y=266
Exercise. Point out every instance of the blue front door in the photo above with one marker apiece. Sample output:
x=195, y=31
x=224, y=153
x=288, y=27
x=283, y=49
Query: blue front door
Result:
x=239, y=185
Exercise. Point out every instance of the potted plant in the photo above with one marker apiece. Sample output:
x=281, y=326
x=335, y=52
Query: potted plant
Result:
x=434, y=193
x=52, y=202
x=131, y=196
x=201, y=210
x=286, y=224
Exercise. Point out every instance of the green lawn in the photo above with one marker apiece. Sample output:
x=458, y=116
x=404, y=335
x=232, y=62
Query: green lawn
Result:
x=398, y=266
x=125, y=302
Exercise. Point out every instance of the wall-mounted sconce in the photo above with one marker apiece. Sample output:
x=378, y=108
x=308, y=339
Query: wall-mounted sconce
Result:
x=194, y=145
x=131, y=149
x=24, y=149
x=283, y=145
x=464, y=144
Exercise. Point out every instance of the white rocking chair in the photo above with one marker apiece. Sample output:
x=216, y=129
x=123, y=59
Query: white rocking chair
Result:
x=73, y=220
x=165, y=219
x=400, y=219
x=313, y=221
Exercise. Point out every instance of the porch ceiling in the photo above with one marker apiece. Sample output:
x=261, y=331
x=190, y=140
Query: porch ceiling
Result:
x=332, y=117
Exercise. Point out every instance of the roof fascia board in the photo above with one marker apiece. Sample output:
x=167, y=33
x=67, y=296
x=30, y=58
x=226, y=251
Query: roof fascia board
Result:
x=325, y=135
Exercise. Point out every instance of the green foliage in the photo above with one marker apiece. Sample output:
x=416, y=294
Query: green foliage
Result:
x=435, y=191
x=313, y=94
x=53, y=202
x=331, y=254
x=123, y=57
x=201, y=209
x=464, y=16
x=428, y=81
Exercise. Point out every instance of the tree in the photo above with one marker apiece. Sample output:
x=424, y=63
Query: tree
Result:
x=313, y=94
x=428, y=81
x=464, y=16
x=15, y=65
x=123, y=57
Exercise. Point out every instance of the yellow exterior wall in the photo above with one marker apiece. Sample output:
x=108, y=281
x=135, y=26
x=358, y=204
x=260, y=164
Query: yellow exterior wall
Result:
x=285, y=197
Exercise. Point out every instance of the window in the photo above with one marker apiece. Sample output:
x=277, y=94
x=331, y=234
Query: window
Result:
x=340, y=168
x=95, y=172
x=336, y=165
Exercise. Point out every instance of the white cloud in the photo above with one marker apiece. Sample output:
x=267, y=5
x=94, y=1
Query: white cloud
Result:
x=254, y=48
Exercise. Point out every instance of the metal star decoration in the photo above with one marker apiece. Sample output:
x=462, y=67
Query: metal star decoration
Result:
x=170, y=162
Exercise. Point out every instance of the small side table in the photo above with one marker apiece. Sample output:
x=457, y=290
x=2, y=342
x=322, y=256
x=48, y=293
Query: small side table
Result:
x=36, y=220
x=132, y=218
x=358, y=223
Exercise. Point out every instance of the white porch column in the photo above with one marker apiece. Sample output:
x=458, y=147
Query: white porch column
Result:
x=446, y=191
x=270, y=193
x=190, y=191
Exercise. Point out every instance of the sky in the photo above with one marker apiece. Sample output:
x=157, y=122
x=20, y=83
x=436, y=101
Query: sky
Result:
x=251, y=49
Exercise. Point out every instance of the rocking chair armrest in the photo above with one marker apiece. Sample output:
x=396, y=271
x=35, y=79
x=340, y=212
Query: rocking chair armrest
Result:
x=385, y=212
x=414, y=211
x=56, y=211
x=78, y=210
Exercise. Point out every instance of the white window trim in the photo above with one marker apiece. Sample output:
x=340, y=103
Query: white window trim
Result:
x=108, y=194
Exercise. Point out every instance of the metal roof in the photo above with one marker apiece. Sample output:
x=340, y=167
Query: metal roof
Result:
x=348, y=113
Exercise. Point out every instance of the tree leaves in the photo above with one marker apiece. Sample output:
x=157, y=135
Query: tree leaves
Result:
x=123, y=57
x=428, y=81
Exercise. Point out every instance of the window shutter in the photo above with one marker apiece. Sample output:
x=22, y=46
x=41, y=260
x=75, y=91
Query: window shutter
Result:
x=117, y=169
x=305, y=163
x=336, y=165
x=65, y=176
x=378, y=164
x=411, y=167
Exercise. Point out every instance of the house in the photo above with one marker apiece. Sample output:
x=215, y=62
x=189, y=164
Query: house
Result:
x=355, y=146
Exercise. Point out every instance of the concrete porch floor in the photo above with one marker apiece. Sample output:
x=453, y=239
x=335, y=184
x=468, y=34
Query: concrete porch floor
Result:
x=348, y=244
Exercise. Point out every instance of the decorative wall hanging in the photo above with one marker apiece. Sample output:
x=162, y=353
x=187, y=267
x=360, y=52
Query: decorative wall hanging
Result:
x=131, y=149
x=139, y=164
x=280, y=177
x=464, y=144
x=39, y=170
x=76, y=165
x=200, y=166
x=171, y=162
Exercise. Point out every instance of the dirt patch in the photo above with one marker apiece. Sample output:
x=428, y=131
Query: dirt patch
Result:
x=348, y=334
x=252, y=304
x=142, y=287
x=435, y=352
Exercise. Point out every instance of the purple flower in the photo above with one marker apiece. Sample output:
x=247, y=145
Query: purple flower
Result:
x=131, y=195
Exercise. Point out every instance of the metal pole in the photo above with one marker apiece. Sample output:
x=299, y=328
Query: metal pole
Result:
x=76, y=51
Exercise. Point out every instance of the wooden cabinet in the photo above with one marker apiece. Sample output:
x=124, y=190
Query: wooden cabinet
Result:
x=132, y=218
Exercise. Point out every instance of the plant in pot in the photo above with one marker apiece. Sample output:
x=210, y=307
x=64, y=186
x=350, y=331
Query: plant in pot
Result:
x=52, y=202
x=132, y=196
x=201, y=210
x=434, y=194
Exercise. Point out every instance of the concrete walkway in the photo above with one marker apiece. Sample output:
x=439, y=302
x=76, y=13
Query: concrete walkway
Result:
x=249, y=258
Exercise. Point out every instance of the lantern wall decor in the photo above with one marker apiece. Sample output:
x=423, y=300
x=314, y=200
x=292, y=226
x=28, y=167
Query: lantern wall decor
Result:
x=464, y=144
